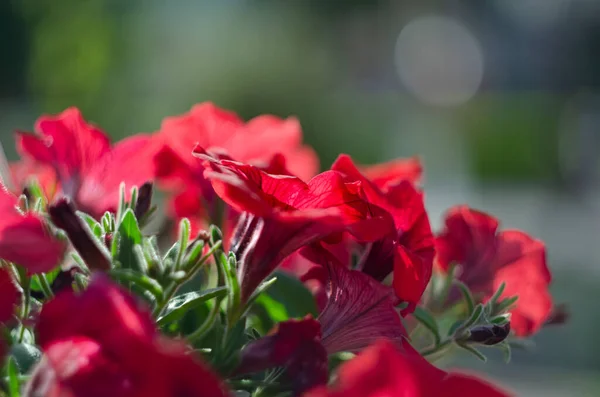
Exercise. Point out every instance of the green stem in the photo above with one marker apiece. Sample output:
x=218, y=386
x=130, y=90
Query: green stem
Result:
x=175, y=284
x=25, y=308
x=208, y=323
x=437, y=349
x=45, y=285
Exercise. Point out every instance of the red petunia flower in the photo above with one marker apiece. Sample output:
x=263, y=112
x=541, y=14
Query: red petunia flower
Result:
x=359, y=310
x=390, y=173
x=383, y=370
x=20, y=232
x=294, y=344
x=25, y=171
x=265, y=141
x=87, y=168
x=489, y=257
x=281, y=214
x=113, y=350
x=408, y=250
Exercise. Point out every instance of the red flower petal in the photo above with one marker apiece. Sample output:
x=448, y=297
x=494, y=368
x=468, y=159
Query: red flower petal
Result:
x=527, y=277
x=19, y=232
x=25, y=171
x=102, y=343
x=383, y=370
x=129, y=161
x=409, y=249
x=295, y=344
x=257, y=257
x=115, y=319
x=284, y=212
x=390, y=173
x=88, y=169
x=255, y=142
x=489, y=258
x=9, y=296
x=359, y=311
x=66, y=142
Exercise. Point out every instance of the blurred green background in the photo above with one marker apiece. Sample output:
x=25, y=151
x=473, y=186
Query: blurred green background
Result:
x=499, y=98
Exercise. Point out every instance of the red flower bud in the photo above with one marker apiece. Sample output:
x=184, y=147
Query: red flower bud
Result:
x=63, y=215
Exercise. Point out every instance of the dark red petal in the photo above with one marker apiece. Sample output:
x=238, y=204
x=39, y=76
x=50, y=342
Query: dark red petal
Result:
x=263, y=243
x=359, y=311
x=9, y=296
x=280, y=345
x=295, y=344
x=64, y=216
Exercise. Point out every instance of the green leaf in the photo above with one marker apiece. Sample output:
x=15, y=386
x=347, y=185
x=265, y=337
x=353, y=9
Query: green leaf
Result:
x=195, y=252
x=127, y=236
x=37, y=193
x=474, y=351
x=497, y=294
x=91, y=222
x=12, y=371
x=466, y=295
x=425, y=318
x=473, y=318
x=286, y=298
x=505, y=304
x=229, y=265
x=506, y=349
x=181, y=304
x=184, y=239
x=146, y=283
x=268, y=312
x=500, y=320
x=108, y=222
x=50, y=276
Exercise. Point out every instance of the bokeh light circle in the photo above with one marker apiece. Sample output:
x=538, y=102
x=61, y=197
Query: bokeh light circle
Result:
x=439, y=60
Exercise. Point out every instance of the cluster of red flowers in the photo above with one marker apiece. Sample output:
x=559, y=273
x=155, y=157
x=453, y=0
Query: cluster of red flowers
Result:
x=358, y=238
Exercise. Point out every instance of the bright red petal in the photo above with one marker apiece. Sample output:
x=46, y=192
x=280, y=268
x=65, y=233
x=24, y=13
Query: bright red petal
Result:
x=118, y=323
x=489, y=258
x=469, y=234
x=130, y=161
x=522, y=266
x=383, y=370
x=66, y=142
x=19, y=232
x=390, y=173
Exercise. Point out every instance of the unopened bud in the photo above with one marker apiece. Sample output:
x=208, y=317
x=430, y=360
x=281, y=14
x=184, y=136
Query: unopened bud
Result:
x=560, y=315
x=489, y=334
x=64, y=217
x=203, y=235
x=108, y=239
x=144, y=199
